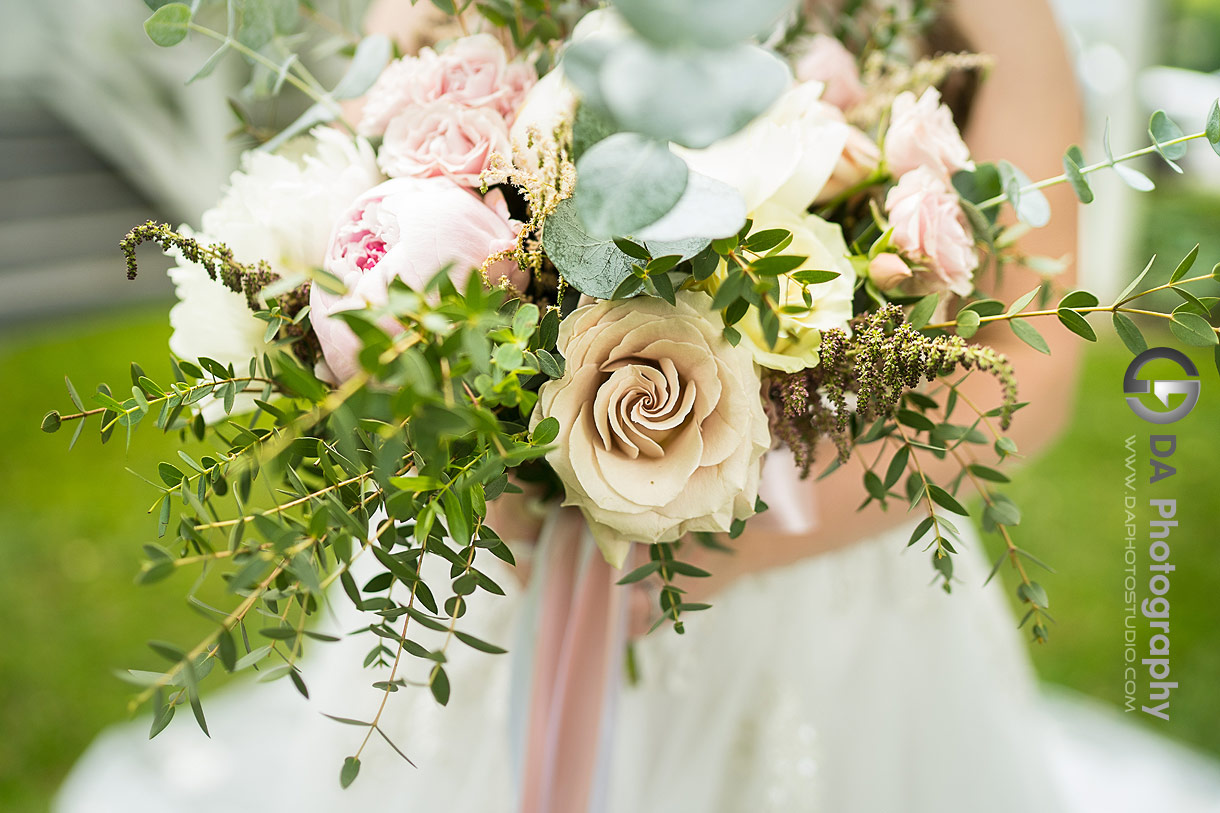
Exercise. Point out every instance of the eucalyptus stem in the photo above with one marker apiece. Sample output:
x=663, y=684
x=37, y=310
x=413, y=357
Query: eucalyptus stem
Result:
x=1013, y=553
x=1116, y=307
x=406, y=620
x=281, y=508
x=927, y=493
x=313, y=91
x=191, y=389
x=229, y=622
x=1085, y=170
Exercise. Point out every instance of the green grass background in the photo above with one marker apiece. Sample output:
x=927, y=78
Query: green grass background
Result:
x=71, y=526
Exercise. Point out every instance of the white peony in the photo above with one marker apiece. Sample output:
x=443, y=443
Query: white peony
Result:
x=785, y=156
x=280, y=207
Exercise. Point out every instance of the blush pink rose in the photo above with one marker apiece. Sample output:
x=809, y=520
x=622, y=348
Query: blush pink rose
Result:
x=440, y=138
x=887, y=271
x=412, y=80
x=519, y=78
x=408, y=228
x=922, y=134
x=930, y=227
x=472, y=72
x=827, y=61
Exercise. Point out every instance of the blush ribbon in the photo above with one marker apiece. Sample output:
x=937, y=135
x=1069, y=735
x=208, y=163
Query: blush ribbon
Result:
x=567, y=672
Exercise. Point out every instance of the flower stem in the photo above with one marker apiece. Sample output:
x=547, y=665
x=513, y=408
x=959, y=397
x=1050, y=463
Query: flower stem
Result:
x=1061, y=178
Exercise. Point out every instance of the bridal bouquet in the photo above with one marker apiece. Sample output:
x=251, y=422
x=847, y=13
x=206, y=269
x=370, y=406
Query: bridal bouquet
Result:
x=612, y=256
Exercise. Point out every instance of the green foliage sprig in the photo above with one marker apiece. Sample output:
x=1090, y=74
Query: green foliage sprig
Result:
x=1189, y=321
x=422, y=437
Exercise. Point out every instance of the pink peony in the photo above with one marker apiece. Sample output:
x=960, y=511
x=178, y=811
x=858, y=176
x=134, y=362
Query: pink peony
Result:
x=929, y=226
x=922, y=134
x=472, y=72
x=440, y=138
x=408, y=228
x=827, y=61
x=887, y=271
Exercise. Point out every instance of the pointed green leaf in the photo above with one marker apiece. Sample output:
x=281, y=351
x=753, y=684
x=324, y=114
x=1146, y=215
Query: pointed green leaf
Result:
x=1185, y=265
x=1030, y=335
x=349, y=771
x=1192, y=329
x=1076, y=323
x=922, y=311
x=1072, y=160
x=1130, y=333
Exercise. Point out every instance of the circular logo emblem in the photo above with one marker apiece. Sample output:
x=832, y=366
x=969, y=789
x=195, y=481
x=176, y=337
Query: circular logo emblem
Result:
x=1134, y=386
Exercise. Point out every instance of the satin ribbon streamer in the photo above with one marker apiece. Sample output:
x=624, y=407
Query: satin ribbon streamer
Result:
x=567, y=672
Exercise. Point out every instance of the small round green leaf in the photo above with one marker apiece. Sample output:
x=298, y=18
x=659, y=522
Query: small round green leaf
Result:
x=1163, y=129
x=625, y=182
x=967, y=323
x=51, y=422
x=1078, y=299
x=546, y=431
x=1034, y=593
x=169, y=24
x=1213, y=126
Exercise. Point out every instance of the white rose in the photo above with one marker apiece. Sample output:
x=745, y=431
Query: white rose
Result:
x=662, y=429
x=786, y=155
x=830, y=302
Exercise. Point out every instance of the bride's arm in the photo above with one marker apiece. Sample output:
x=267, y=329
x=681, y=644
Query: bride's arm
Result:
x=1027, y=111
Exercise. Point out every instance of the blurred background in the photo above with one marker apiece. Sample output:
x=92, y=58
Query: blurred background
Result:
x=98, y=131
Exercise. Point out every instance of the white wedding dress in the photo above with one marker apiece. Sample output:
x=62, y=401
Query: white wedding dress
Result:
x=842, y=684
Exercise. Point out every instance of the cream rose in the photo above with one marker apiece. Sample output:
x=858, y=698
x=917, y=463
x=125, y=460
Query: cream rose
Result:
x=829, y=304
x=662, y=429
